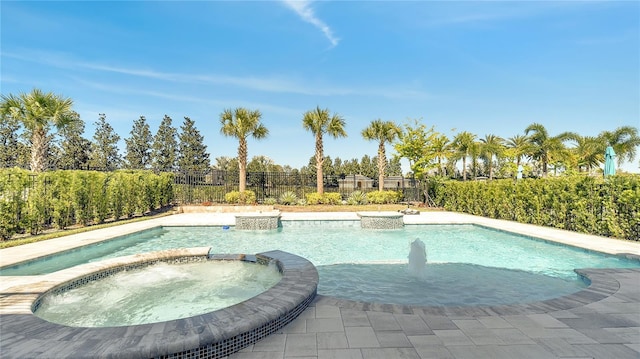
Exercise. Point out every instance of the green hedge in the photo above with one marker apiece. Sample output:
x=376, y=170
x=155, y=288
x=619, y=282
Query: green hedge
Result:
x=608, y=207
x=33, y=202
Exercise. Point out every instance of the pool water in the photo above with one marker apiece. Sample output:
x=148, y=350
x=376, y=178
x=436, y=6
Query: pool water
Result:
x=475, y=257
x=158, y=293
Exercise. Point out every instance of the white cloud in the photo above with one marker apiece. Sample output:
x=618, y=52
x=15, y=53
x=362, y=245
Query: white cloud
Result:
x=306, y=13
x=270, y=84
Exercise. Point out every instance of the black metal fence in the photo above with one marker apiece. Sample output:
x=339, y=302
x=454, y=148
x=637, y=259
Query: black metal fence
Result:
x=211, y=186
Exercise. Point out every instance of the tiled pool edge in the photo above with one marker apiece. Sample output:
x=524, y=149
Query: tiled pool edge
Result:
x=603, y=285
x=211, y=335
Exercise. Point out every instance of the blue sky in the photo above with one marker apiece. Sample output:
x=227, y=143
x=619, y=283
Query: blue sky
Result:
x=487, y=67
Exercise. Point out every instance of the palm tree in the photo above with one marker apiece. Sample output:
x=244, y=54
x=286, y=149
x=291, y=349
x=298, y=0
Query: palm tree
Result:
x=37, y=112
x=624, y=140
x=545, y=149
x=242, y=123
x=463, y=144
x=383, y=132
x=589, y=152
x=441, y=149
x=491, y=145
x=319, y=122
x=520, y=147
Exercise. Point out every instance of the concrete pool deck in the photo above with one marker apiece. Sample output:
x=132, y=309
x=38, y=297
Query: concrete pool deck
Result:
x=602, y=321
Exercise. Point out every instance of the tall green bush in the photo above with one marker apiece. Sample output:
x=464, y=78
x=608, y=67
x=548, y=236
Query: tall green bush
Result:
x=591, y=205
x=33, y=202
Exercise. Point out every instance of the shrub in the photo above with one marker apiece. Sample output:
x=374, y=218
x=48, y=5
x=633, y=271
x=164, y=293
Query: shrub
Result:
x=270, y=201
x=236, y=197
x=326, y=198
x=356, y=198
x=383, y=197
x=314, y=198
x=576, y=203
x=332, y=198
x=288, y=198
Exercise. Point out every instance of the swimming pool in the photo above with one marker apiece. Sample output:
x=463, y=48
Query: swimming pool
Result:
x=474, y=259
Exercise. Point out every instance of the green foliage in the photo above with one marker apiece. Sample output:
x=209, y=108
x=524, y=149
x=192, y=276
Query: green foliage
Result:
x=313, y=198
x=13, y=196
x=33, y=202
x=325, y=198
x=237, y=197
x=164, y=147
x=138, y=153
x=383, y=197
x=288, y=198
x=192, y=152
x=104, y=149
x=332, y=198
x=356, y=198
x=270, y=201
x=583, y=204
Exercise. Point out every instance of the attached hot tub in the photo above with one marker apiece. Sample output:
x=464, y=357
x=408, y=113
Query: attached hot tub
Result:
x=213, y=334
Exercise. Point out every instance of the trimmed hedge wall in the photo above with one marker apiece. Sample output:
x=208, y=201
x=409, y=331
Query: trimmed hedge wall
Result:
x=608, y=207
x=33, y=202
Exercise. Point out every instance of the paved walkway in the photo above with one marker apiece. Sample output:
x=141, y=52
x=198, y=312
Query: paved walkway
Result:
x=333, y=329
x=602, y=321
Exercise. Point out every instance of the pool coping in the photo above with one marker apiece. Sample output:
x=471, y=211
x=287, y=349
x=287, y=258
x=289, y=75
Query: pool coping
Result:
x=211, y=335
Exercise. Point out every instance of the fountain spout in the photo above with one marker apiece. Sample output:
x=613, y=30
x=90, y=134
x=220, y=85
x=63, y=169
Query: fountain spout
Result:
x=417, y=259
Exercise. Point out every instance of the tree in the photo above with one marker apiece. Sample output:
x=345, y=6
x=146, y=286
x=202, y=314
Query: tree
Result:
x=10, y=148
x=75, y=149
x=383, y=132
x=441, y=150
x=192, y=152
x=463, y=146
x=367, y=167
x=520, y=146
x=138, y=155
x=262, y=164
x=37, y=112
x=624, y=140
x=242, y=123
x=413, y=144
x=319, y=122
x=545, y=148
x=104, y=149
x=164, y=147
x=491, y=145
x=588, y=152
x=228, y=164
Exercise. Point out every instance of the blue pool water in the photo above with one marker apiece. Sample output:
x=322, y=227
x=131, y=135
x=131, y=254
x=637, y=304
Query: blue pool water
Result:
x=460, y=258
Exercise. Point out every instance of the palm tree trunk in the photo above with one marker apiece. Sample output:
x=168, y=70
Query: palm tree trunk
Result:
x=464, y=168
x=319, y=163
x=382, y=164
x=242, y=165
x=40, y=144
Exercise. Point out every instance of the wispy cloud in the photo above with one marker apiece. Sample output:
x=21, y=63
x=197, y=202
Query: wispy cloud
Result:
x=270, y=84
x=305, y=11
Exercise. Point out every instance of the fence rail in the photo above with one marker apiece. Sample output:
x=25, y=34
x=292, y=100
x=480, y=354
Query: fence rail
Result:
x=211, y=186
